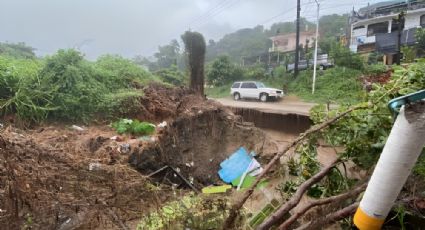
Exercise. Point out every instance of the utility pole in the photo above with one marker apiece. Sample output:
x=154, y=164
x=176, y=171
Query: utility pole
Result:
x=400, y=28
x=297, y=41
x=315, y=49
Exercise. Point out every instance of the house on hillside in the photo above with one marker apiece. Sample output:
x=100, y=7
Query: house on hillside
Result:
x=375, y=27
x=287, y=42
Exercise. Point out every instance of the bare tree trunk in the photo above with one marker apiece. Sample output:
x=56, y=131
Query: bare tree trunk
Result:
x=295, y=199
x=333, y=199
x=331, y=218
x=195, y=49
x=234, y=211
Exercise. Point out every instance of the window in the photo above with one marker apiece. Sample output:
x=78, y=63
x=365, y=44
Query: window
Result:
x=248, y=85
x=260, y=85
x=377, y=28
x=358, y=27
x=422, y=21
x=236, y=85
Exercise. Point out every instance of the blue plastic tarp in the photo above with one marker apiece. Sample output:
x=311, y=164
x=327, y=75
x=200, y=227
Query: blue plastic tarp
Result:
x=235, y=165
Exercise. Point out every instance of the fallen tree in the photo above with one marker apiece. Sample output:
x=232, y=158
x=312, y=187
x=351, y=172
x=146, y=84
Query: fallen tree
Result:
x=295, y=199
x=234, y=211
x=331, y=218
x=333, y=199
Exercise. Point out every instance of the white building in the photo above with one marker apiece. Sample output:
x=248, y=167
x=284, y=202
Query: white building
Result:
x=375, y=28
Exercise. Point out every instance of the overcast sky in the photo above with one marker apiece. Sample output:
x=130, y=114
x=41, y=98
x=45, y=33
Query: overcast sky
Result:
x=138, y=27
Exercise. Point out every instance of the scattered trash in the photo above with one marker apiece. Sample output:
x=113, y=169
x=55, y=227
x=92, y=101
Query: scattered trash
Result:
x=78, y=128
x=216, y=189
x=95, y=166
x=125, y=148
x=240, y=169
x=176, y=173
x=116, y=138
x=234, y=166
x=162, y=124
x=264, y=213
x=191, y=164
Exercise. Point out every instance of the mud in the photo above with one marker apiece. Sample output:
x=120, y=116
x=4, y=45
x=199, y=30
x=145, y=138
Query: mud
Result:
x=289, y=123
x=54, y=177
x=46, y=182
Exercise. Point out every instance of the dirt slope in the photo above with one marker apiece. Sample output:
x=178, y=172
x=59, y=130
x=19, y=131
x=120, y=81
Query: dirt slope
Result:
x=54, y=177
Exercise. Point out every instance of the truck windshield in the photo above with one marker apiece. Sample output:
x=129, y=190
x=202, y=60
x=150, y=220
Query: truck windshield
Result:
x=260, y=85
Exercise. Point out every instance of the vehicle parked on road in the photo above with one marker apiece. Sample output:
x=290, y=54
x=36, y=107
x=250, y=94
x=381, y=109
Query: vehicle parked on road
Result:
x=323, y=62
x=254, y=90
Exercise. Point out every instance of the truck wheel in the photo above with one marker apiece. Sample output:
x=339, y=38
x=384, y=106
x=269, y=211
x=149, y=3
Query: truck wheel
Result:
x=236, y=96
x=263, y=97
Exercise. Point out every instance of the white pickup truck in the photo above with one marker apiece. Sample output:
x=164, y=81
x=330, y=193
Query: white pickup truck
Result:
x=254, y=90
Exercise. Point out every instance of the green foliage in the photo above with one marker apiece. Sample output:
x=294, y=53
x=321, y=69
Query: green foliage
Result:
x=255, y=72
x=67, y=87
x=189, y=212
x=222, y=72
x=409, y=53
x=289, y=27
x=17, y=50
x=167, y=55
x=117, y=72
x=133, y=127
x=333, y=25
x=343, y=57
x=19, y=89
x=218, y=91
x=374, y=58
x=336, y=85
x=420, y=38
x=375, y=69
x=242, y=43
x=172, y=76
x=326, y=44
x=364, y=132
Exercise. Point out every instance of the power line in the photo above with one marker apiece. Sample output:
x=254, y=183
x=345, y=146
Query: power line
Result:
x=220, y=10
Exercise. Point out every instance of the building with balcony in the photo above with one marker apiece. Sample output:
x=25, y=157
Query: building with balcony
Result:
x=375, y=27
x=287, y=42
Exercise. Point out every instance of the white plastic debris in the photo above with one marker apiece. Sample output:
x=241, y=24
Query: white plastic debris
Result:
x=124, y=148
x=78, y=128
x=162, y=124
x=114, y=138
x=95, y=166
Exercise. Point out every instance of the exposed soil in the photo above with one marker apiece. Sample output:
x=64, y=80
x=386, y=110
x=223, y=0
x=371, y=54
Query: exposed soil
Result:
x=55, y=177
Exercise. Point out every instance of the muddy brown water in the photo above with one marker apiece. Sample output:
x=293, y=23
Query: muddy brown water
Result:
x=289, y=123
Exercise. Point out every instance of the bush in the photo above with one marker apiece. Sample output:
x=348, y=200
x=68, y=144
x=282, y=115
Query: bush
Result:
x=134, y=127
x=336, y=85
x=375, y=69
x=223, y=71
x=345, y=58
x=66, y=87
x=172, y=76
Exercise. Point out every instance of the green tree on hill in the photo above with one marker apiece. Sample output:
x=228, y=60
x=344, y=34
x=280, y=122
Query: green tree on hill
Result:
x=223, y=71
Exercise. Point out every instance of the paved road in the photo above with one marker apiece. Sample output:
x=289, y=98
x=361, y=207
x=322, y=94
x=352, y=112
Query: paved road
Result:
x=288, y=104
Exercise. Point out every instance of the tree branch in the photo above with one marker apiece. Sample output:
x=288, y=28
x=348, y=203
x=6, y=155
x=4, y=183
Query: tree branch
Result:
x=295, y=199
x=331, y=218
x=333, y=199
x=234, y=211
